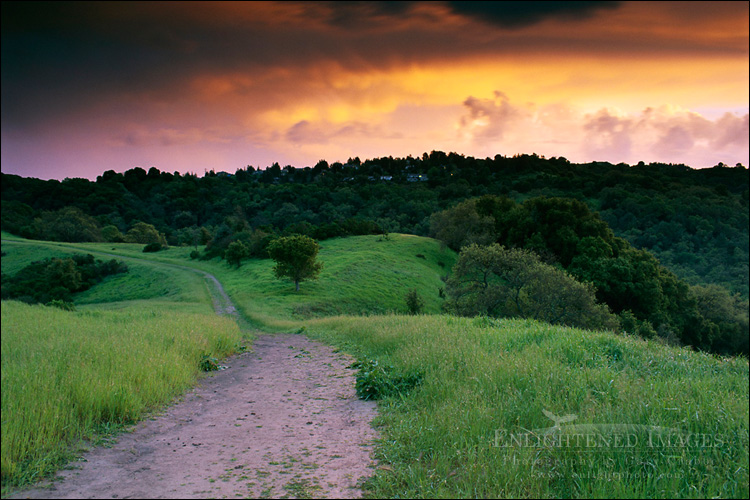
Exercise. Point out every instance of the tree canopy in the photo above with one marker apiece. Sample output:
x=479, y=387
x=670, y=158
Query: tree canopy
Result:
x=496, y=281
x=295, y=258
x=566, y=233
x=695, y=221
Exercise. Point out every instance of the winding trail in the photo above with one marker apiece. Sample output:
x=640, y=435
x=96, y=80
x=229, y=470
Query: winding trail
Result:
x=282, y=421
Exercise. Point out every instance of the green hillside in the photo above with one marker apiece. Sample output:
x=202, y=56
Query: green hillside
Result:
x=361, y=275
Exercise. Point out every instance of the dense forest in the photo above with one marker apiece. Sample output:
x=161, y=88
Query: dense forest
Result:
x=695, y=221
x=670, y=226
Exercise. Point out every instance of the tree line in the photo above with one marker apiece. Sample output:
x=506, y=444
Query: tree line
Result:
x=695, y=221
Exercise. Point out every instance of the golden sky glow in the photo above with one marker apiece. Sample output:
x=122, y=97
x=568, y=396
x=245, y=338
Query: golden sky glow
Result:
x=200, y=86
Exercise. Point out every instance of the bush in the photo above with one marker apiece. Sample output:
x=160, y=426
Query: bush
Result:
x=56, y=279
x=208, y=363
x=630, y=324
x=112, y=234
x=235, y=253
x=145, y=233
x=152, y=247
x=61, y=304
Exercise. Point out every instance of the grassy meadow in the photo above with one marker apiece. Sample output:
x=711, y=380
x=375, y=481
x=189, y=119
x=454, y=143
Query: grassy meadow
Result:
x=361, y=275
x=643, y=419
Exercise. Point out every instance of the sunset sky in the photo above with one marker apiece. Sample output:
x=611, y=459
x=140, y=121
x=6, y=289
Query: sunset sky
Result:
x=190, y=87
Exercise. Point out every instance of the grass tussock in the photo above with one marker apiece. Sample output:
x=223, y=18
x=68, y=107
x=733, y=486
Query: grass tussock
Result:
x=70, y=376
x=488, y=383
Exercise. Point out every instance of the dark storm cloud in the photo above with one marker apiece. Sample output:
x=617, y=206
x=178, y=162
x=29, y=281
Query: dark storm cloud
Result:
x=502, y=14
x=359, y=14
x=526, y=13
x=59, y=56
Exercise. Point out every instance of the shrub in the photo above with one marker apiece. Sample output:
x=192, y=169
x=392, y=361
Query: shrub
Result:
x=630, y=324
x=112, y=234
x=145, y=233
x=208, y=363
x=414, y=302
x=61, y=304
x=235, y=253
x=56, y=279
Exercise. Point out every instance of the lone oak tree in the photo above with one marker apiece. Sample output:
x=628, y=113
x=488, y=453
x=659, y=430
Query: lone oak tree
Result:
x=295, y=258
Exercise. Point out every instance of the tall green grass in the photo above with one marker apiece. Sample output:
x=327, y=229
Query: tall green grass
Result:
x=67, y=376
x=487, y=380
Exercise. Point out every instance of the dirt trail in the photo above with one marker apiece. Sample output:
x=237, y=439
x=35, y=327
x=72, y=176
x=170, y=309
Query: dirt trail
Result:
x=282, y=421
